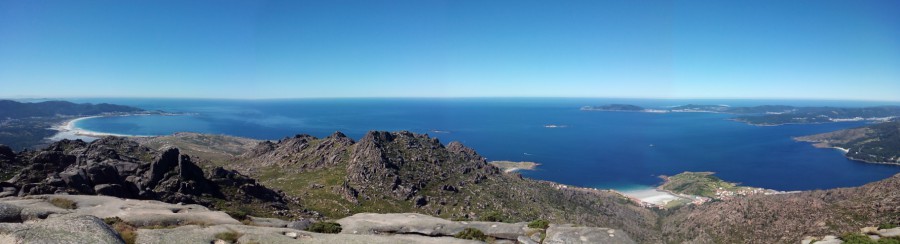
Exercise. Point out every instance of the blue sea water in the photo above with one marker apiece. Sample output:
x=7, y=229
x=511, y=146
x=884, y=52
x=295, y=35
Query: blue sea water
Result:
x=593, y=149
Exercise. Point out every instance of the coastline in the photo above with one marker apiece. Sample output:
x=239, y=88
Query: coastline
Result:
x=69, y=130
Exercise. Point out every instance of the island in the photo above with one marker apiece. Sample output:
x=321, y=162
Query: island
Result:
x=614, y=107
x=510, y=166
x=772, y=115
x=878, y=143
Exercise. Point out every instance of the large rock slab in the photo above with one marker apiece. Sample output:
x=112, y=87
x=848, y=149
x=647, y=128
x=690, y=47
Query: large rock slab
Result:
x=251, y=234
x=411, y=223
x=135, y=212
x=895, y=232
x=65, y=229
x=559, y=234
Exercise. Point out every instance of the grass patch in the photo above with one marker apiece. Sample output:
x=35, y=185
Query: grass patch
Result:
x=887, y=226
x=492, y=216
x=471, y=234
x=127, y=231
x=230, y=236
x=63, y=203
x=539, y=224
x=325, y=227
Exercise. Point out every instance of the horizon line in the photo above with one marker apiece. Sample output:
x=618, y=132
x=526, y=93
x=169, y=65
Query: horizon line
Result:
x=453, y=97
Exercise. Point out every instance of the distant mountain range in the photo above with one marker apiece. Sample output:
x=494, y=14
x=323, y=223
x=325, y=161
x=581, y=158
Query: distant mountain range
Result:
x=17, y=110
x=773, y=114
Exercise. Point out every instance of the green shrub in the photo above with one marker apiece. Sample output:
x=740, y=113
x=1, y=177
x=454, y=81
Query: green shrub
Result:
x=63, y=203
x=471, y=234
x=887, y=226
x=125, y=230
x=889, y=240
x=491, y=217
x=231, y=236
x=539, y=224
x=238, y=214
x=857, y=238
x=324, y=227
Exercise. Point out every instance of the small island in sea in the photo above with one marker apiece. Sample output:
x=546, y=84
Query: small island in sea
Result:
x=510, y=166
x=614, y=107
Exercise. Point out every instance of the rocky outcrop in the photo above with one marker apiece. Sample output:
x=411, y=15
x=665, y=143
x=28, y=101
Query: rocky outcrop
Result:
x=118, y=167
x=301, y=153
x=72, y=229
x=405, y=163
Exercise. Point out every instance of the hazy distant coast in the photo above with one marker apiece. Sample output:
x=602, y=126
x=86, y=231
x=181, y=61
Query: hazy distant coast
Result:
x=771, y=115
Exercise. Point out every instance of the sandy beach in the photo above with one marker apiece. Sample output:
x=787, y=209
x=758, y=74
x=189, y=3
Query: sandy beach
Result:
x=652, y=196
x=68, y=130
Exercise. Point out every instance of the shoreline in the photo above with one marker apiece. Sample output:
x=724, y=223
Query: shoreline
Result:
x=652, y=196
x=68, y=130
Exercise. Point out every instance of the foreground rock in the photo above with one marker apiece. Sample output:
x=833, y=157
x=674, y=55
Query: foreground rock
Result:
x=80, y=219
x=63, y=229
x=559, y=234
x=254, y=234
x=418, y=224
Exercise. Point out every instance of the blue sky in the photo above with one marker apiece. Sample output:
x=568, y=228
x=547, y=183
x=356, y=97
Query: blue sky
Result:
x=372, y=48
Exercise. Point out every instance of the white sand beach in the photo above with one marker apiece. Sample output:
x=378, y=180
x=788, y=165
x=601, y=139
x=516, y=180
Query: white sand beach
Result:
x=68, y=130
x=652, y=196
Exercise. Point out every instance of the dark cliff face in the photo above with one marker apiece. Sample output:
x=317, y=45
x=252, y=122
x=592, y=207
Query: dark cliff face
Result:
x=119, y=167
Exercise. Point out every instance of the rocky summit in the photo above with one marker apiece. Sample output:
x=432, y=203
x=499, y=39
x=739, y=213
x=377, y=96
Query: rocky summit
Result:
x=122, y=168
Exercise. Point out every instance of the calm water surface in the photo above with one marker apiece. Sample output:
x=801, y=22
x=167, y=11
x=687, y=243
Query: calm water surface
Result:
x=621, y=150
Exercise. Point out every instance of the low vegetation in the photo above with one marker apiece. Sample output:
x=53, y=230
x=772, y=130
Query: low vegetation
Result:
x=857, y=238
x=491, y=216
x=229, y=236
x=325, y=227
x=127, y=231
x=471, y=234
x=699, y=184
x=63, y=203
x=539, y=224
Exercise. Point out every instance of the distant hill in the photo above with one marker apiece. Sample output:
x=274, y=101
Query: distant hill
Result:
x=774, y=114
x=879, y=143
x=15, y=110
x=25, y=125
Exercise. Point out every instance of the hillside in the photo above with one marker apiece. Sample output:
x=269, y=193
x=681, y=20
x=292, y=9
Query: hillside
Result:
x=406, y=172
x=878, y=143
x=786, y=218
x=25, y=125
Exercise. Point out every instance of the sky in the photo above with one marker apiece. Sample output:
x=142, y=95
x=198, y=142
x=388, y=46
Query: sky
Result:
x=799, y=49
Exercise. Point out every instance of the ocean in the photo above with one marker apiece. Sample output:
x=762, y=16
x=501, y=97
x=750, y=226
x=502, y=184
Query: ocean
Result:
x=617, y=150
